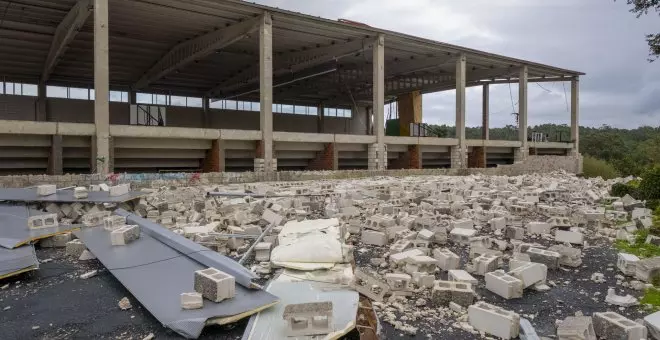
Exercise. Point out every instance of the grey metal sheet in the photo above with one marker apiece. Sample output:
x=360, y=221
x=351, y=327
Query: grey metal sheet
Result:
x=269, y=325
x=197, y=252
x=157, y=274
x=15, y=261
x=14, y=230
x=64, y=196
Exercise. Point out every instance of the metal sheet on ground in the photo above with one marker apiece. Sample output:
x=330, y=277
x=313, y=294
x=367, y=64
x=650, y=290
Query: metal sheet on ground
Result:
x=16, y=261
x=157, y=274
x=14, y=230
x=64, y=196
x=269, y=325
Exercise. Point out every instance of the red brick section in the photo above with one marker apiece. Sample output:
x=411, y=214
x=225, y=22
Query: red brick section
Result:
x=259, y=151
x=325, y=159
x=212, y=161
x=477, y=158
x=411, y=159
x=532, y=151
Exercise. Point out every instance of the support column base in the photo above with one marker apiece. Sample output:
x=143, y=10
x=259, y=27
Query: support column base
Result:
x=327, y=159
x=55, y=160
x=99, y=163
x=459, y=157
x=520, y=154
x=477, y=158
x=373, y=156
x=215, y=157
x=261, y=166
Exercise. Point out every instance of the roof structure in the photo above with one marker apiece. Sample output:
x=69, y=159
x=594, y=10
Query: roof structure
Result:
x=210, y=47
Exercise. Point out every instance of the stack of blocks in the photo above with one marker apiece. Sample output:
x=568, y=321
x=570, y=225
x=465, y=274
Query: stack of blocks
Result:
x=214, y=284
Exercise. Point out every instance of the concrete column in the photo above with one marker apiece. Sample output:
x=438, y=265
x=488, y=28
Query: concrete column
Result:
x=215, y=157
x=459, y=152
x=42, y=106
x=485, y=102
x=320, y=123
x=102, y=88
x=522, y=110
x=575, y=114
x=266, y=88
x=205, y=107
x=379, y=100
x=55, y=161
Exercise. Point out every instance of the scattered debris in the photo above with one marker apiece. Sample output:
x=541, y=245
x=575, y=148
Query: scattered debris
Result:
x=125, y=304
x=89, y=274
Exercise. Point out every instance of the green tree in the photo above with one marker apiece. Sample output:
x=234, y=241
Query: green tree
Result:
x=642, y=7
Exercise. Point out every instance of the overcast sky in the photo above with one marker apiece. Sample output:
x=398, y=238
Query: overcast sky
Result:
x=598, y=37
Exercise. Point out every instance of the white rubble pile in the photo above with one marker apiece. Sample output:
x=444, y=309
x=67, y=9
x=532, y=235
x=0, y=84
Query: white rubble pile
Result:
x=426, y=249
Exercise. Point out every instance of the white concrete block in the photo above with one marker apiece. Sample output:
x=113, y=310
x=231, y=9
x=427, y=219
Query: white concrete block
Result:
x=611, y=325
x=461, y=236
x=125, y=235
x=494, y=320
x=497, y=223
x=485, y=263
x=627, y=263
x=46, y=189
x=530, y=273
x=398, y=282
x=465, y=223
x=447, y=260
x=460, y=275
x=538, y=228
x=569, y=237
x=372, y=237
x=80, y=192
x=191, y=301
x=214, y=284
x=121, y=189
x=504, y=284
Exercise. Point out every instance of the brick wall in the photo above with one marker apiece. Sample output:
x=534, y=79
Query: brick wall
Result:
x=411, y=159
x=214, y=160
x=325, y=159
x=477, y=158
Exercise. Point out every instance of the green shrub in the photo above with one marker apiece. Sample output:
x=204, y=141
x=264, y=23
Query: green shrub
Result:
x=621, y=189
x=649, y=187
x=594, y=167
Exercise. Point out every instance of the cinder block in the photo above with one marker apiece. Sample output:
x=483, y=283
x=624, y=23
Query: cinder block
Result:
x=75, y=248
x=56, y=241
x=445, y=292
x=42, y=221
x=121, y=189
x=573, y=237
x=504, y=284
x=465, y=223
x=262, y=251
x=191, y=301
x=113, y=222
x=401, y=246
x=461, y=236
x=485, y=263
x=611, y=325
x=372, y=237
x=461, y=276
x=530, y=273
x=398, y=282
x=571, y=257
x=627, y=263
x=538, y=228
x=497, y=223
x=548, y=258
x=80, y=192
x=576, y=327
x=423, y=280
x=305, y=319
x=514, y=233
x=421, y=264
x=125, y=235
x=214, y=284
x=494, y=320
x=93, y=219
x=369, y=286
x=46, y=189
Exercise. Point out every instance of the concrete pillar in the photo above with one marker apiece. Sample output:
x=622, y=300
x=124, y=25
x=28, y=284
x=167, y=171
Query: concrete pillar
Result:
x=102, y=88
x=215, y=157
x=410, y=111
x=205, y=107
x=575, y=114
x=522, y=112
x=459, y=152
x=320, y=122
x=42, y=106
x=485, y=102
x=55, y=160
x=266, y=89
x=379, y=100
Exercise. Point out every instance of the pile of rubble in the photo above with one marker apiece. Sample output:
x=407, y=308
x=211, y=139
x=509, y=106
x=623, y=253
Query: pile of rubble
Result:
x=426, y=250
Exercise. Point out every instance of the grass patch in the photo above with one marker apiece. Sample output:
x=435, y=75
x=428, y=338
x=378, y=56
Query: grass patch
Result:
x=651, y=297
x=639, y=248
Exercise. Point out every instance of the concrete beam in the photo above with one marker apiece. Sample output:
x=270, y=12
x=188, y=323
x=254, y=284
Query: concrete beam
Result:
x=196, y=49
x=64, y=34
x=355, y=139
x=266, y=89
x=493, y=143
x=247, y=135
x=303, y=137
x=291, y=63
x=378, y=101
x=163, y=132
x=101, y=161
x=575, y=113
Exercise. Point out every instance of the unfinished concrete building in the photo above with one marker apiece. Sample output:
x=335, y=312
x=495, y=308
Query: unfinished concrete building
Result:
x=222, y=85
